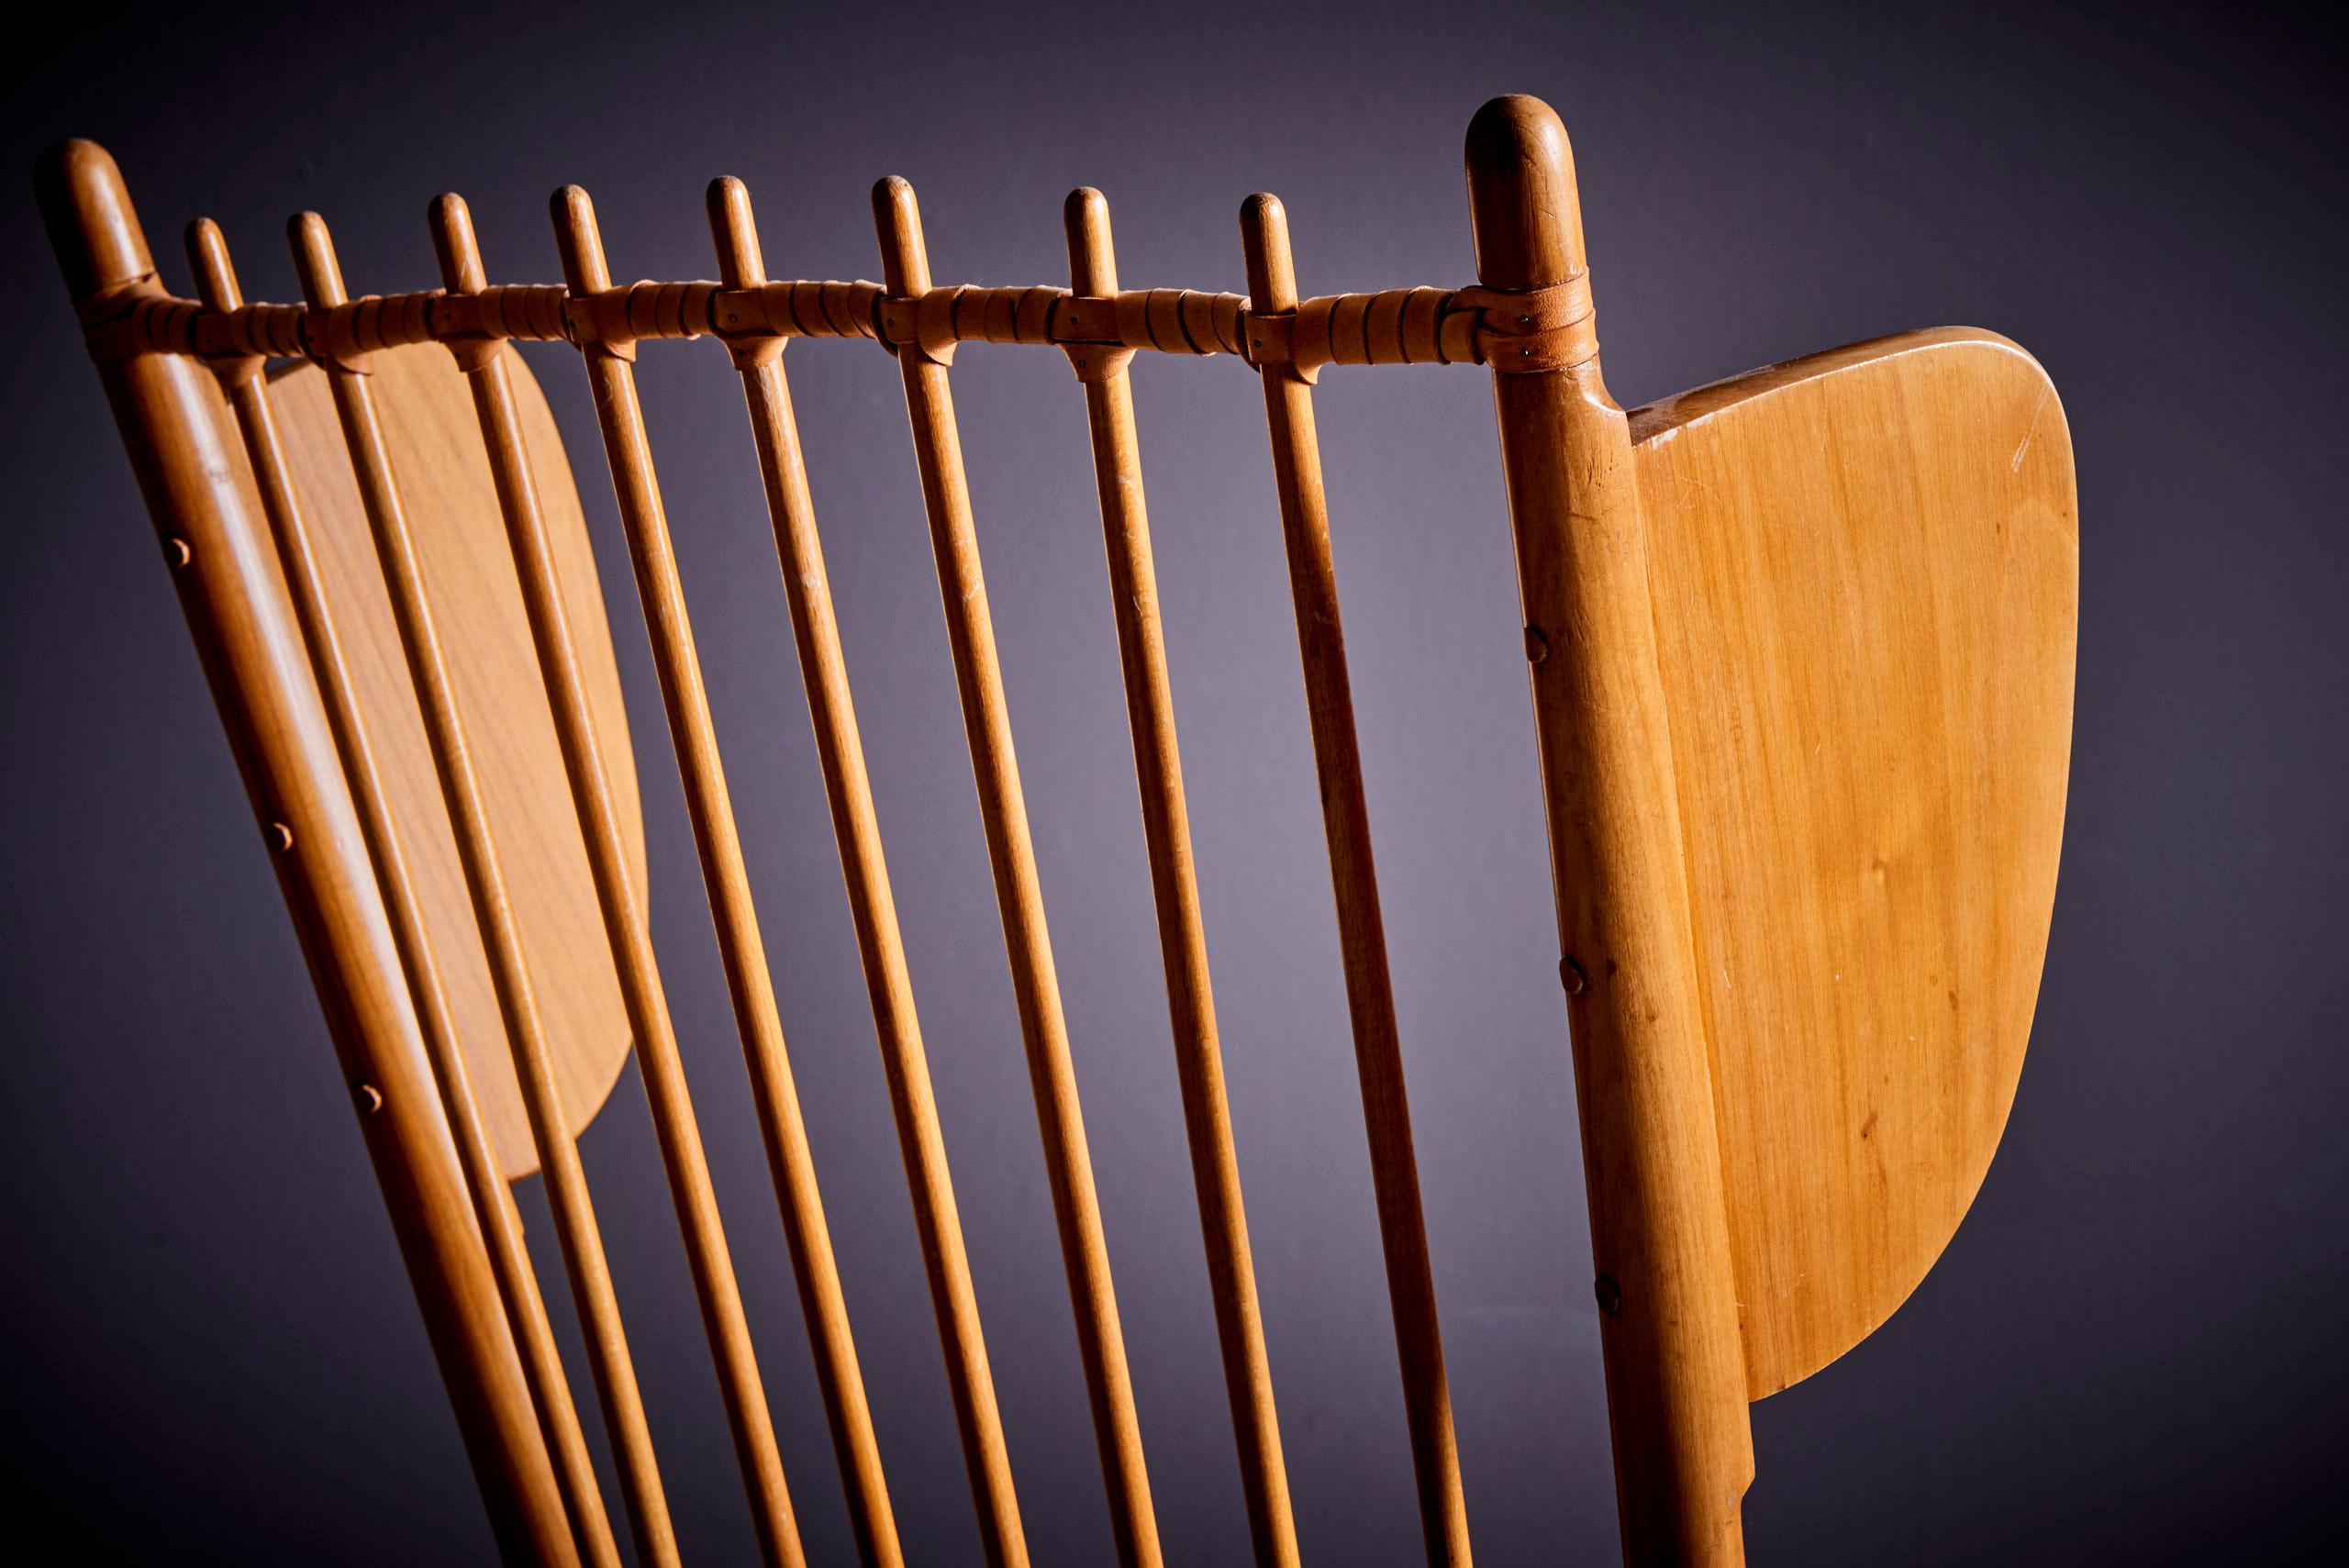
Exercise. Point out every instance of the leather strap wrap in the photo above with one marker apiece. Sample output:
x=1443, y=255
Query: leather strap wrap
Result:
x=615, y=320
x=1522, y=332
x=344, y=336
x=1537, y=329
x=776, y=312
x=1182, y=321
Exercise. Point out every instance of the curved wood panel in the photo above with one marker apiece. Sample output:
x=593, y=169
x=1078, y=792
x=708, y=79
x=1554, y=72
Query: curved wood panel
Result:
x=443, y=474
x=1866, y=574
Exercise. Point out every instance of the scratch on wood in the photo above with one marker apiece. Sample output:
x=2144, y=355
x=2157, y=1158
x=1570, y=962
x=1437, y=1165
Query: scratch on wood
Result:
x=2015, y=466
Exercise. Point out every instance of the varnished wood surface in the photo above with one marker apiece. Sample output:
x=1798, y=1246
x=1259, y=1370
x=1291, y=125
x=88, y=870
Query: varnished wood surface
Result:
x=741, y=951
x=1865, y=569
x=873, y=910
x=1354, y=882
x=388, y=853
x=436, y=452
x=675, y=1125
x=199, y=494
x=1182, y=931
x=1019, y=898
x=1801, y=649
x=593, y=1290
x=1676, y=1384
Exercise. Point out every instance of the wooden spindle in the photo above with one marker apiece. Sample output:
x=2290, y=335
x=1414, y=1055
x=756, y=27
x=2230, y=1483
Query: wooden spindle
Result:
x=175, y=432
x=620, y=416
x=493, y=1204
x=1362, y=936
x=575, y=1215
x=695, y=1200
x=929, y=407
x=1182, y=935
x=1675, y=1370
x=872, y=906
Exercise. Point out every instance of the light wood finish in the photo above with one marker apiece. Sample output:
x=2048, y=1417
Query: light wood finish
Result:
x=1802, y=659
x=872, y=906
x=1353, y=878
x=420, y=641
x=673, y=1124
x=192, y=475
x=1865, y=568
x=612, y=383
x=1676, y=1375
x=929, y=407
x=1182, y=934
x=493, y=1204
x=452, y=509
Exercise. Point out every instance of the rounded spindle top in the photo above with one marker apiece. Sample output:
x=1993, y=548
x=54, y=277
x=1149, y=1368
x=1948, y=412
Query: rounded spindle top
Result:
x=735, y=231
x=314, y=260
x=584, y=269
x=1521, y=197
x=91, y=223
x=1092, y=259
x=905, y=258
x=215, y=275
x=1271, y=269
x=455, y=246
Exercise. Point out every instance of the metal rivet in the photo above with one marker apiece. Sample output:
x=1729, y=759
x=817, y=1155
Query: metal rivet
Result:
x=176, y=551
x=281, y=836
x=370, y=1098
x=1525, y=321
x=1571, y=976
x=1609, y=1293
x=1525, y=353
x=1537, y=645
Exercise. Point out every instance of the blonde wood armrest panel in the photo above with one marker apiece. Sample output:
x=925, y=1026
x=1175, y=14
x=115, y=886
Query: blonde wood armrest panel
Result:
x=1866, y=574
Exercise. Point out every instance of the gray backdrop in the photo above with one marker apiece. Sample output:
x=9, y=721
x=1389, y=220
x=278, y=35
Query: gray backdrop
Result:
x=2131, y=1351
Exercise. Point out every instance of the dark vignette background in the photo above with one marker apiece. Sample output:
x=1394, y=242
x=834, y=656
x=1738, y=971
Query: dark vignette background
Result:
x=2132, y=1350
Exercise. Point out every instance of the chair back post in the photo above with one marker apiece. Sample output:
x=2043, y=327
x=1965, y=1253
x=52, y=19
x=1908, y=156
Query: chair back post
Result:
x=192, y=472
x=1668, y=1324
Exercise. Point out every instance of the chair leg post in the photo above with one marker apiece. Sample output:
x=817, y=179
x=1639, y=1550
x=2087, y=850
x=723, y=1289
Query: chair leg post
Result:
x=192, y=474
x=1668, y=1324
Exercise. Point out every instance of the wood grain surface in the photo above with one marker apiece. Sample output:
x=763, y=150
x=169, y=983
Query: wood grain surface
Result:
x=1864, y=567
x=1800, y=647
x=437, y=451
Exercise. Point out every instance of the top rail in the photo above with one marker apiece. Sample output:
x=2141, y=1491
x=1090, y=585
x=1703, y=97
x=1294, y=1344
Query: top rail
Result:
x=1528, y=330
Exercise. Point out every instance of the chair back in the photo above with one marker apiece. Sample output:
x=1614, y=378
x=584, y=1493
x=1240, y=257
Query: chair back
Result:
x=1801, y=655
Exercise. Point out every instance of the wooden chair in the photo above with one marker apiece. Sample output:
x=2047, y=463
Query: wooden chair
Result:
x=1800, y=647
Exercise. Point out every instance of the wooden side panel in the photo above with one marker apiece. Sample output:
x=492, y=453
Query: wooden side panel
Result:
x=443, y=471
x=1865, y=576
